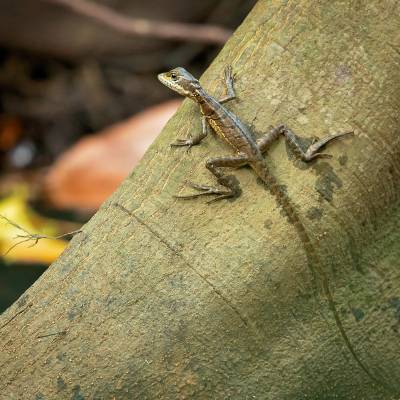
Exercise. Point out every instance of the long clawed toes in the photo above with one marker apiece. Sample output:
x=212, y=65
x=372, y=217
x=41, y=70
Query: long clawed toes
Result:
x=188, y=196
x=325, y=140
x=183, y=143
x=199, y=187
x=220, y=197
x=313, y=156
x=228, y=73
x=318, y=144
x=322, y=155
x=205, y=191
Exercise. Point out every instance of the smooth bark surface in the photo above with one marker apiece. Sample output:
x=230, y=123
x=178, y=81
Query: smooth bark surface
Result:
x=171, y=299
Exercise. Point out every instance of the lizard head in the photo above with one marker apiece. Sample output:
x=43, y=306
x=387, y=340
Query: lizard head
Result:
x=181, y=81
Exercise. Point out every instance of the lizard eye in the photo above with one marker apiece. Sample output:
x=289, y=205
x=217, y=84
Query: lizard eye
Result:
x=174, y=76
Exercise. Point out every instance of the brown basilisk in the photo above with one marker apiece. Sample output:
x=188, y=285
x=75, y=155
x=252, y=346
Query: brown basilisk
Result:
x=249, y=151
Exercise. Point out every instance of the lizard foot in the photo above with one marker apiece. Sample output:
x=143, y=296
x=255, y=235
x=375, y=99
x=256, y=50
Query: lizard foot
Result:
x=312, y=151
x=189, y=142
x=205, y=190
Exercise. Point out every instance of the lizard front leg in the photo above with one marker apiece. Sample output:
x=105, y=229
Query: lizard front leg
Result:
x=310, y=154
x=230, y=92
x=229, y=184
x=193, y=141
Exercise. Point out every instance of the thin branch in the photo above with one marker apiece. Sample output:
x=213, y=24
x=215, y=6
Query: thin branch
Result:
x=35, y=237
x=145, y=27
x=64, y=332
x=16, y=315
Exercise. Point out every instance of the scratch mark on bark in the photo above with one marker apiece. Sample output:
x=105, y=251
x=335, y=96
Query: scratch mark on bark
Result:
x=178, y=253
x=171, y=246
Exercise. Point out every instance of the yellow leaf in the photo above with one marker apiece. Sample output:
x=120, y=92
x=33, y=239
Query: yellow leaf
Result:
x=15, y=208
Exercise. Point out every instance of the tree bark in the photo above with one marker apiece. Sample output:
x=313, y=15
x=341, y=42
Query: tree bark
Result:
x=161, y=298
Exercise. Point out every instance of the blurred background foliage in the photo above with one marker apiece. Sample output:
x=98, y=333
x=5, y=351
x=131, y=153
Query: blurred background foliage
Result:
x=80, y=103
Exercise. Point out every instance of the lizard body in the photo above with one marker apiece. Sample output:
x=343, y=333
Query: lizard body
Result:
x=249, y=151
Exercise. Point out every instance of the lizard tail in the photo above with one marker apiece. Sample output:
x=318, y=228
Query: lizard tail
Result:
x=314, y=262
x=284, y=202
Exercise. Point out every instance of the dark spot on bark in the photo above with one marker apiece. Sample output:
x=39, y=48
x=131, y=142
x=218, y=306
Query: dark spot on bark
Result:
x=75, y=311
x=355, y=255
x=344, y=311
x=358, y=313
x=343, y=74
x=23, y=300
x=314, y=213
x=66, y=267
x=110, y=300
x=39, y=396
x=77, y=394
x=391, y=170
x=72, y=314
x=302, y=109
x=343, y=159
x=268, y=224
x=264, y=266
x=173, y=306
x=61, y=385
x=395, y=303
x=176, y=282
x=327, y=181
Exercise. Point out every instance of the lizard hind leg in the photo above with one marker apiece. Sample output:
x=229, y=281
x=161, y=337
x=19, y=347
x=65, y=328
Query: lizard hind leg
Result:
x=229, y=185
x=313, y=151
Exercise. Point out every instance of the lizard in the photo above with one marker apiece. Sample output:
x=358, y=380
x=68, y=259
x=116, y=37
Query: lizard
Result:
x=249, y=151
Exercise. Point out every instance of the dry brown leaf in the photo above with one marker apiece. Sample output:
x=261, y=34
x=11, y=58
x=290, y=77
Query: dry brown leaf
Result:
x=85, y=175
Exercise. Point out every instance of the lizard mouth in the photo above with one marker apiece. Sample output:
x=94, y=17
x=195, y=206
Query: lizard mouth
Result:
x=161, y=78
x=174, y=86
x=165, y=81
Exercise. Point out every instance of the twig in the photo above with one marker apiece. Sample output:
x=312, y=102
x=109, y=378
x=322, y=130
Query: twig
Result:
x=64, y=332
x=16, y=315
x=35, y=237
x=145, y=27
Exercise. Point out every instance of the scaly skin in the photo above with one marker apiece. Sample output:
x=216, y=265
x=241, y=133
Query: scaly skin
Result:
x=249, y=151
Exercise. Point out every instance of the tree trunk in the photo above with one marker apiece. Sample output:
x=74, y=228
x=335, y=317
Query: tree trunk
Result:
x=161, y=298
